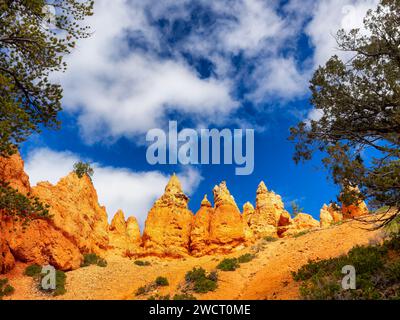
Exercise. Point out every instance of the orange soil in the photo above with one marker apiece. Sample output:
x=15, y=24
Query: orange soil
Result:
x=268, y=276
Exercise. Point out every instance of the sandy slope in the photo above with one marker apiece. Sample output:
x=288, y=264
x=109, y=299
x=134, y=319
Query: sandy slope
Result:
x=268, y=276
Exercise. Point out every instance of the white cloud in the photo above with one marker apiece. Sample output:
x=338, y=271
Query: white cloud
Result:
x=315, y=114
x=280, y=77
x=117, y=188
x=257, y=21
x=119, y=88
x=118, y=91
x=331, y=15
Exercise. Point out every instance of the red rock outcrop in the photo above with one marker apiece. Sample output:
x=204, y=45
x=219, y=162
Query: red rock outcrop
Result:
x=43, y=244
x=332, y=214
x=12, y=171
x=168, y=224
x=124, y=235
x=79, y=224
x=40, y=241
x=228, y=231
x=75, y=210
x=200, y=233
x=7, y=260
x=355, y=210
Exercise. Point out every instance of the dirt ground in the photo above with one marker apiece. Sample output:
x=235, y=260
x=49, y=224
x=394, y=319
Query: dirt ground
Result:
x=268, y=276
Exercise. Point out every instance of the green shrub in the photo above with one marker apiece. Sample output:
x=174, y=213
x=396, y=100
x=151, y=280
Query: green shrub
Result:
x=198, y=280
x=21, y=207
x=228, y=264
x=33, y=270
x=184, y=296
x=301, y=233
x=367, y=259
x=377, y=274
x=83, y=168
x=61, y=279
x=93, y=259
x=142, y=263
x=141, y=290
x=204, y=286
x=213, y=276
x=159, y=282
x=162, y=282
x=246, y=258
x=3, y=282
x=5, y=288
x=102, y=263
x=8, y=290
x=270, y=239
x=321, y=290
x=393, y=271
x=195, y=274
x=319, y=268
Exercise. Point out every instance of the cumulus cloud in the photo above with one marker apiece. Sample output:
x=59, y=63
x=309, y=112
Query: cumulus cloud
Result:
x=117, y=188
x=127, y=77
x=139, y=66
x=118, y=91
x=331, y=15
x=257, y=21
x=280, y=77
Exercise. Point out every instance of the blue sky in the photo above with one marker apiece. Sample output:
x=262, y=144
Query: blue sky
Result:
x=206, y=64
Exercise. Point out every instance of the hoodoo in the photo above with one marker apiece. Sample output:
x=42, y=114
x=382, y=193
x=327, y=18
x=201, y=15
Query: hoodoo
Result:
x=168, y=224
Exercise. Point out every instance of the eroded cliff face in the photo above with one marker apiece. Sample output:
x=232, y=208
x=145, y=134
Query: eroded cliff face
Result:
x=7, y=260
x=12, y=172
x=75, y=210
x=41, y=243
x=38, y=242
x=168, y=224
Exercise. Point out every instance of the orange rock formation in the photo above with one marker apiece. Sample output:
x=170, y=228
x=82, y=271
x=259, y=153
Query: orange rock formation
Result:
x=200, y=233
x=40, y=242
x=124, y=236
x=168, y=224
x=76, y=211
x=268, y=214
x=227, y=228
x=79, y=224
x=302, y=222
x=12, y=171
x=329, y=215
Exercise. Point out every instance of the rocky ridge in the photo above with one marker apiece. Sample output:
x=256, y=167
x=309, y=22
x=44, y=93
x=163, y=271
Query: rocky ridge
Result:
x=79, y=224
